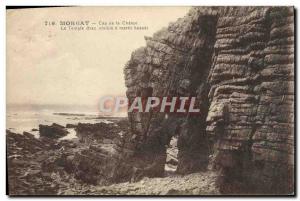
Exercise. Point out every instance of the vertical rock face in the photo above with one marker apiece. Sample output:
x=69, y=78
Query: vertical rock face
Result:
x=251, y=96
x=175, y=62
x=238, y=62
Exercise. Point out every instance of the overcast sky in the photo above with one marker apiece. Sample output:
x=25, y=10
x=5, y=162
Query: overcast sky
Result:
x=48, y=66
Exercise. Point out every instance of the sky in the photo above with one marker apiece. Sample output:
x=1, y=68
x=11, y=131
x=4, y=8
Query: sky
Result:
x=46, y=65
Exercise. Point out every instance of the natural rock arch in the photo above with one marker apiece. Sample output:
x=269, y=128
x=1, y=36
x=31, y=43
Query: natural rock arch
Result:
x=239, y=62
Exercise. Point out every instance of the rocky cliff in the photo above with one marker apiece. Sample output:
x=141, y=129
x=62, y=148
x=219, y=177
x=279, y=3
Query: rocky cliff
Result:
x=239, y=63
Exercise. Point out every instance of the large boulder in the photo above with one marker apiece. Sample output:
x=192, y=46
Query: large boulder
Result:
x=52, y=131
x=96, y=164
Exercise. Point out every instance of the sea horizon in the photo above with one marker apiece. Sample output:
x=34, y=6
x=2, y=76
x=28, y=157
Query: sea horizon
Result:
x=27, y=117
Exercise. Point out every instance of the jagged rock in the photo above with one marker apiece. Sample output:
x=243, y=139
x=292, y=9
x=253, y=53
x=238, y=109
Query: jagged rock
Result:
x=71, y=126
x=99, y=162
x=47, y=166
x=239, y=63
x=101, y=132
x=25, y=176
x=53, y=131
x=96, y=164
x=29, y=135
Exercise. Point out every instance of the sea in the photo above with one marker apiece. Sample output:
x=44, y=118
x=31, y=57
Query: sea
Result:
x=27, y=118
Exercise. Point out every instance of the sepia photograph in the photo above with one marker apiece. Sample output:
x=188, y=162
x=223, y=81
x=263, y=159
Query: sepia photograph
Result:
x=150, y=101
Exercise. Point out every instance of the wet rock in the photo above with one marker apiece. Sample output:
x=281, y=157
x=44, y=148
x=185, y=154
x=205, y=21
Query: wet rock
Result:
x=52, y=131
x=101, y=132
x=45, y=165
x=96, y=164
x=25, y=175
x=29, y=135
x=71, y=126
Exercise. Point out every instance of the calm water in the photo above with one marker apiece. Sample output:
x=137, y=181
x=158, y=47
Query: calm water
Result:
x=25, y=118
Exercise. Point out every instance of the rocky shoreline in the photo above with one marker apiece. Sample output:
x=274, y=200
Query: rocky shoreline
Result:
x=88, y=164
x=239, y=64
x=45, y=165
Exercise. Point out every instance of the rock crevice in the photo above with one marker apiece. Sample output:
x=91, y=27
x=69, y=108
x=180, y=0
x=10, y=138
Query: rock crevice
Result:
x=239, y=63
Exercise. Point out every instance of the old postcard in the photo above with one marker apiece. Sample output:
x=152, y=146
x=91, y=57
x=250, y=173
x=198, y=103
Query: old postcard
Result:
x=151, y=101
